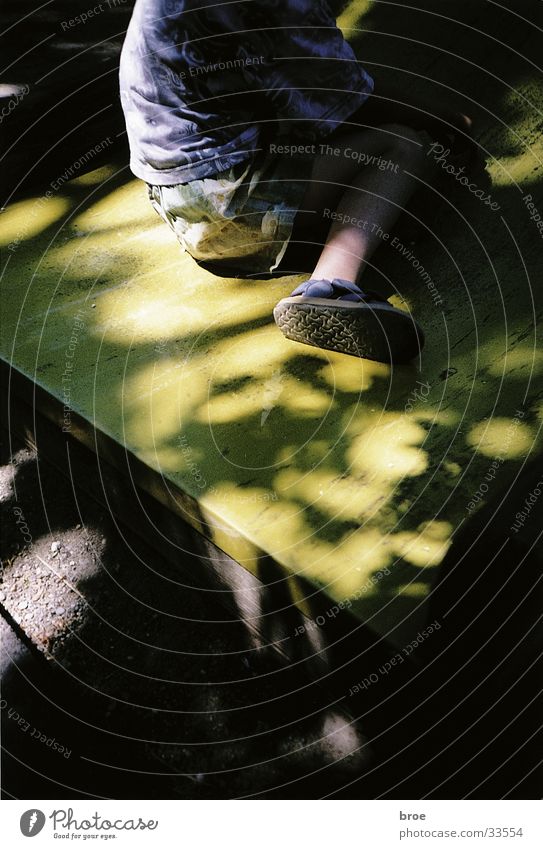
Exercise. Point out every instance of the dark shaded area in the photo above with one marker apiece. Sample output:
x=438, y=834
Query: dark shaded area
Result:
x=154, y=683
x=489, y=599
x=475, y=728
x=68, y=104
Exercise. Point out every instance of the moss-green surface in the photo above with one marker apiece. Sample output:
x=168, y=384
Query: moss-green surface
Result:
x=336, y=467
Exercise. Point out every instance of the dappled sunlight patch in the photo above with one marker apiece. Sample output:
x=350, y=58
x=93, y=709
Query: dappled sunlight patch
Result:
x=351, y=16
x=496, y=358
x=387, y=446
x=514, y=170
x=424, y=547
x=315, y=451
x=297, y=588
x=416, y=589
x=447, y=418
x=306, y=401
x=436, y=529
x=508, y=438
x=158, y=237
x=156, y=401
x=164, y=458
x=340, y=498
x=521, y=102
x=453, y=469
x=344, y=568
x=167, y=303
x=96, y=177
x=400, y=302
x=26, y=219
x=257, y=352
x=127, y=204
x=518, y=362
x=286, y=454
x=361, y=554
x=515, y=145
x=163, y=375
x=232, y=406
x=111, y=255
x=259, y=397
x=139, y=318
x=227, y=535
x=280, y=524
x=349, y=569
x=352, y=374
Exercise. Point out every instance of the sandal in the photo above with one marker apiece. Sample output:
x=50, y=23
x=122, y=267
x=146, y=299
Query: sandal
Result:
x=339, y=316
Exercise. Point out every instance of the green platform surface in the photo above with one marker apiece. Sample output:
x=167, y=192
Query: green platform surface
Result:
x=353, y=476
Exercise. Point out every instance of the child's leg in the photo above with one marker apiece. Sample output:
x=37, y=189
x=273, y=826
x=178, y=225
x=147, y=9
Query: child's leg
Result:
x=362, y=189
x=361, y=184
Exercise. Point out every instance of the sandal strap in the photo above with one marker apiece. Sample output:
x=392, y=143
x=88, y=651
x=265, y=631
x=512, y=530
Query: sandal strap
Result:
x=336, y=289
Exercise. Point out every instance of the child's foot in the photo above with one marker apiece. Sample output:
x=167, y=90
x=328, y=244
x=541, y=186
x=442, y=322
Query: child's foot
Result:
x=339, y=316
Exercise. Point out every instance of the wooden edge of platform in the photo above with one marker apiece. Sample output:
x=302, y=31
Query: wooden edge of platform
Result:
x=130, y=492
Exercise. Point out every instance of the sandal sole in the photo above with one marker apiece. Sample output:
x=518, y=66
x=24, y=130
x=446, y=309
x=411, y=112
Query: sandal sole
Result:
x=372, y=331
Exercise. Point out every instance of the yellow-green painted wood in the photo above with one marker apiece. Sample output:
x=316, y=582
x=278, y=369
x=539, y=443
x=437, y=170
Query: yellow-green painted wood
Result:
x=348, y=473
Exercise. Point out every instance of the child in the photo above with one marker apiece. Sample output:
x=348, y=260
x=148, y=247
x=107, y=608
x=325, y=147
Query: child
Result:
x=244, y=120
